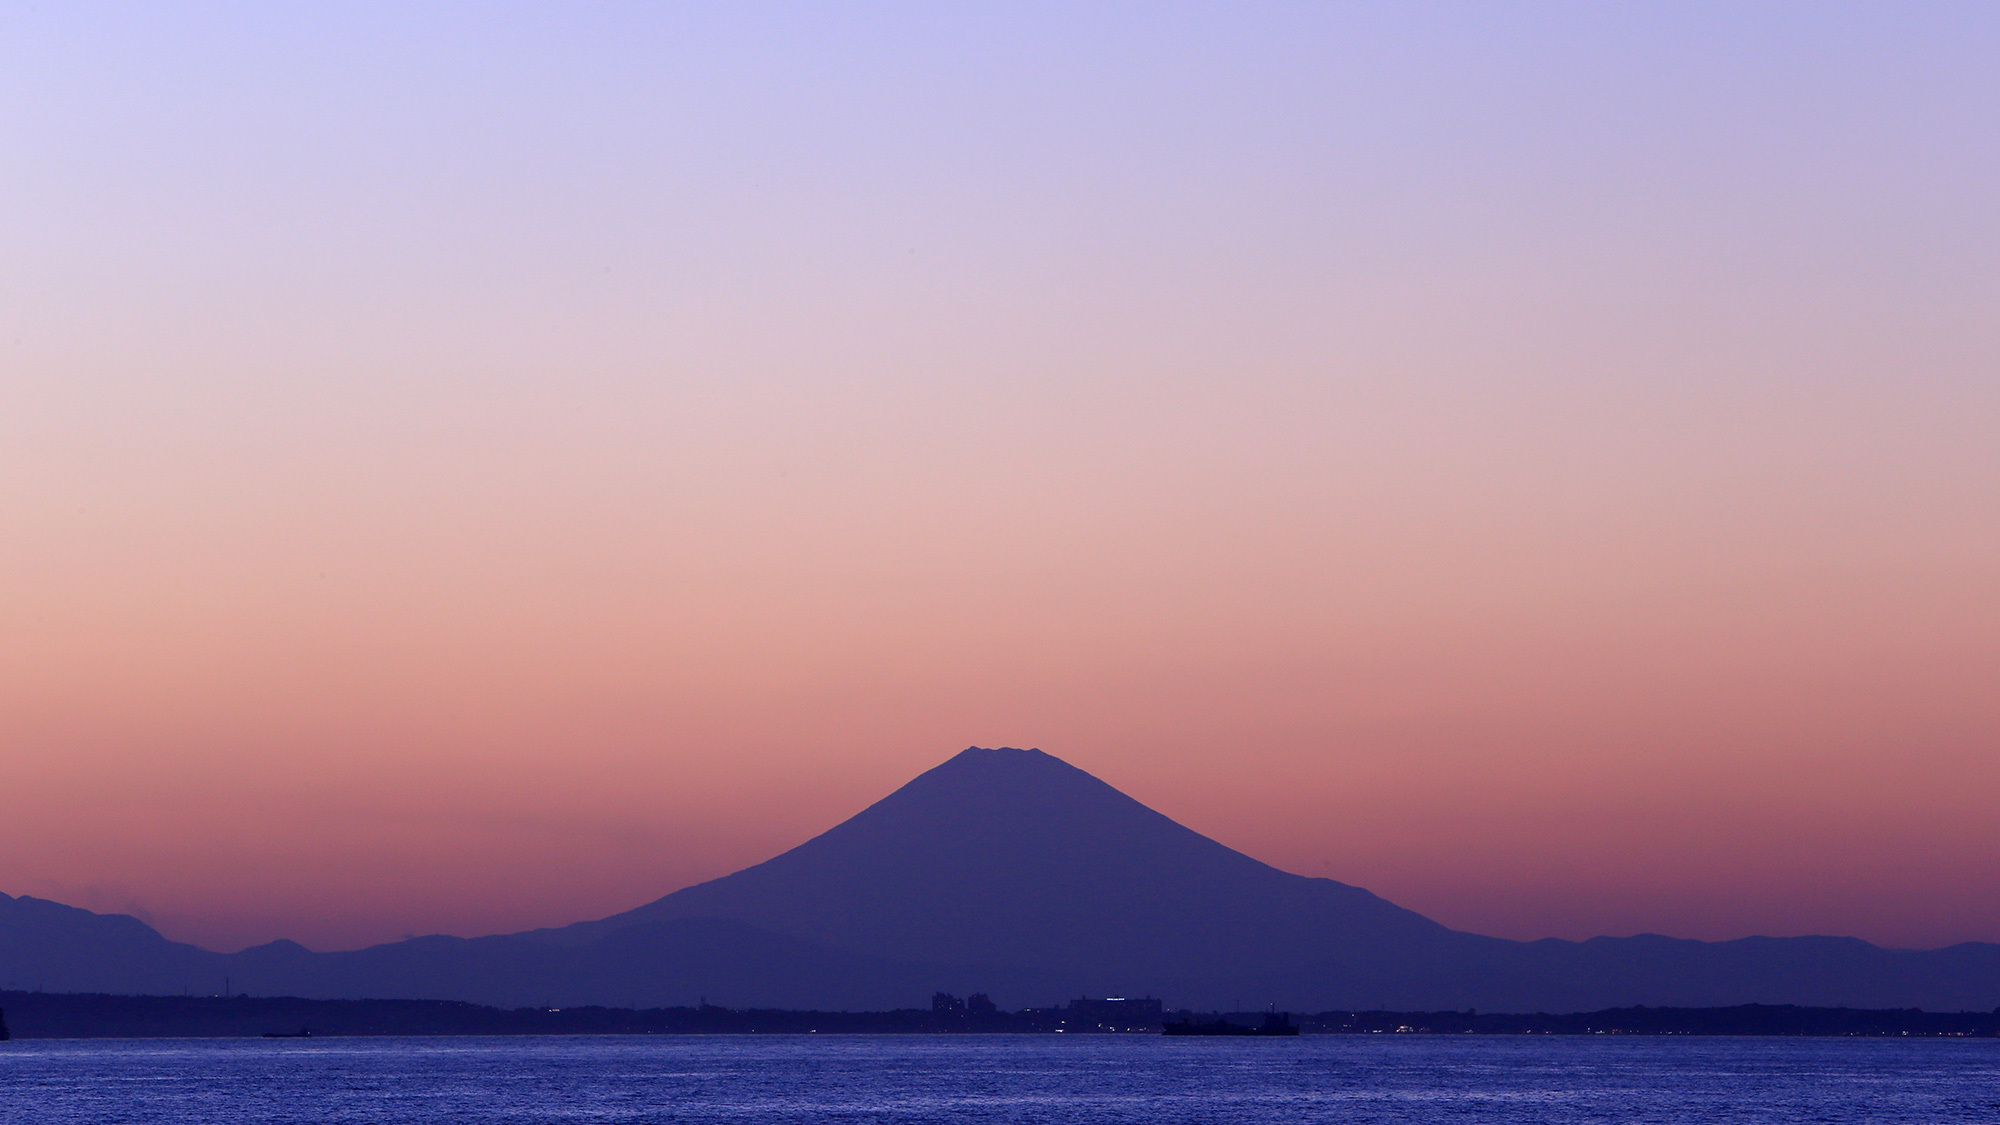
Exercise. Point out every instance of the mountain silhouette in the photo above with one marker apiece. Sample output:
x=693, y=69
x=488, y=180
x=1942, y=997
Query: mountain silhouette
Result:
x=1016, y=858
x=1011, y=872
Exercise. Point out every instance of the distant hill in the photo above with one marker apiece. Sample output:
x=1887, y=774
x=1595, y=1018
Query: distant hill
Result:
x=1011, y=872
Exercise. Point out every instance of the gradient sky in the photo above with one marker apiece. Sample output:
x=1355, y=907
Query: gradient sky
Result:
x=469, y=467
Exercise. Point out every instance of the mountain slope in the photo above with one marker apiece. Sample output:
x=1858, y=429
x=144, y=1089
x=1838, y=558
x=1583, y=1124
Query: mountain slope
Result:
x=1010, y=872
x=46, y=945
x=1009, y=857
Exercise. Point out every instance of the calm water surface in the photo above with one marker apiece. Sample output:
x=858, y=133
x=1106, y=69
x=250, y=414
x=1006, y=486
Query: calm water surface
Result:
x=911, y=1078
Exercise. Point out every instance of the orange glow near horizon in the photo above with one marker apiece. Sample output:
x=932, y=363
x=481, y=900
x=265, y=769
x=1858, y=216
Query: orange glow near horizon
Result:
x=461, y=477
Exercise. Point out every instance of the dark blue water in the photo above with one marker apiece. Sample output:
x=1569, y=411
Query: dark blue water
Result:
x=996, y=1078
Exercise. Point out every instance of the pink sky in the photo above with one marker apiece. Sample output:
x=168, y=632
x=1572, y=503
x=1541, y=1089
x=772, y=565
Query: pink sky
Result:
x=460, y=474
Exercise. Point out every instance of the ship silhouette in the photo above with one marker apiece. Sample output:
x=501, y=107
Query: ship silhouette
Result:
x=1275, y=1023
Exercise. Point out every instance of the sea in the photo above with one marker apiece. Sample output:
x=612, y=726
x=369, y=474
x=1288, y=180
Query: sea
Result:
x=1000, y=1078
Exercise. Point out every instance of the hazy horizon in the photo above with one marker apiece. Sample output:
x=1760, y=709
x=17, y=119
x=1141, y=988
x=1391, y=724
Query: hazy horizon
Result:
x=467, y=469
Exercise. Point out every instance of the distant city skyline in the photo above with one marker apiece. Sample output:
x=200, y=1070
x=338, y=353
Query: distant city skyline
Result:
x=472, y=468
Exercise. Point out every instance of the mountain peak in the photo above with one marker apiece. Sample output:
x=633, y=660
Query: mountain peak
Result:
x=995, y=762
x=1006, y=856
x=997, y=780
x=997, y=753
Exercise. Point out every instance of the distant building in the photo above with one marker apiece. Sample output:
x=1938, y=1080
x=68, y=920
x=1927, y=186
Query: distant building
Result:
x=980, y=1002
x=944, y=1003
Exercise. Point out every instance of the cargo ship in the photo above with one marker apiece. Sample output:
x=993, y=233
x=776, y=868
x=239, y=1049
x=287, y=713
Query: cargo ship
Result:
x=1275, y=1023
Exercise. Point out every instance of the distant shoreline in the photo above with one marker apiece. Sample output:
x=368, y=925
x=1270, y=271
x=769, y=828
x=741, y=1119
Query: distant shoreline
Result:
x=54, y=1015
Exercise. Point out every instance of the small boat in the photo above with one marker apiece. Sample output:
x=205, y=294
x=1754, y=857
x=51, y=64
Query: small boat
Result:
x=1275, y=1023
x=302, y=1033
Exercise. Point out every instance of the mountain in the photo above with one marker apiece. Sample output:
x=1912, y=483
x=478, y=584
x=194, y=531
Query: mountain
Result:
x=48, y=946
x=1016, y=858
x=1011, y=872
